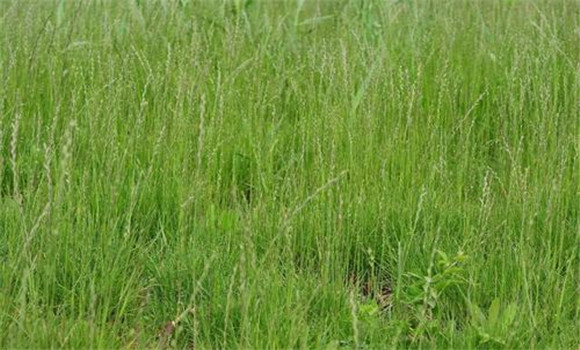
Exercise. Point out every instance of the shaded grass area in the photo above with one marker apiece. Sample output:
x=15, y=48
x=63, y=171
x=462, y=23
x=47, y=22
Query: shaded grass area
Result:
x=310, y=174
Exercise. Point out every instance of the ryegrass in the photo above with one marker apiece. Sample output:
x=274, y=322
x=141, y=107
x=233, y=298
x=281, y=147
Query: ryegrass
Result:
x=281, y=174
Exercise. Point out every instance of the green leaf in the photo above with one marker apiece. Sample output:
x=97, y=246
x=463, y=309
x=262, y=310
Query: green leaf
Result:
x=369, y=309
x=509, y=315
x=477, y=315
x=443, y=258
x=60, y=13
x=493, y=315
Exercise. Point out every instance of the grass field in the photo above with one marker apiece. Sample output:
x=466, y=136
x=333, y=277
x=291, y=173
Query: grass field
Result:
x=348, y=174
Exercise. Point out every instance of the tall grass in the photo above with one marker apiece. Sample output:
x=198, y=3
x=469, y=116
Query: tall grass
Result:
x=281, y=174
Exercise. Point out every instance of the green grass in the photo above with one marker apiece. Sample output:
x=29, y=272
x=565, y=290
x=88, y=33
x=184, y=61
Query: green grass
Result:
x=289, y=174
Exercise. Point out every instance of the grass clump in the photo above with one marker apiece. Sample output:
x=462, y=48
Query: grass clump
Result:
x=281, y=174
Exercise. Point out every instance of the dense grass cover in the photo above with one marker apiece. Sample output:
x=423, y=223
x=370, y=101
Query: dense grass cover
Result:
x=289, y=174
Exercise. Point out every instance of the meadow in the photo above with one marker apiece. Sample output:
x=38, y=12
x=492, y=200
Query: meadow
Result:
x=313, y=174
